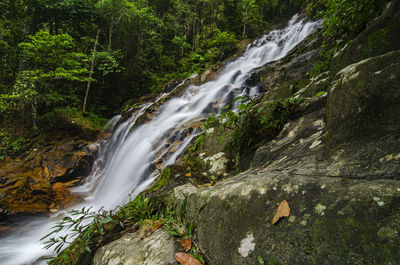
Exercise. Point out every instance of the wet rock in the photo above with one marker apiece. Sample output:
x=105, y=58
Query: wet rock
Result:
x=208, y=75
x=81, y=169
x=40, y=180
x=276, y=78
x=235, y=76
x=292, y=143
x=318, y=84
x=217, y=163
x=223, y=91
x=157, y=249
x=209, y=108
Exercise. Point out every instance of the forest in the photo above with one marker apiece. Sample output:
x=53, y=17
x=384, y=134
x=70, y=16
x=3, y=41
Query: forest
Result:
x=87, y=57
x=283, y=128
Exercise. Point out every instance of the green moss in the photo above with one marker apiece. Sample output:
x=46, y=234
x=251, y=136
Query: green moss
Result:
x=62, y=118
x=387, y=232
x=376, y=41
x=162, y=180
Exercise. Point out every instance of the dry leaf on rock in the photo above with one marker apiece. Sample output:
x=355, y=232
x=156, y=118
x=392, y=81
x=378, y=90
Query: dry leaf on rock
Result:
x=158, y=226
x=148, y=227
x=186, y=259
x=186, y=244
x=283, y=211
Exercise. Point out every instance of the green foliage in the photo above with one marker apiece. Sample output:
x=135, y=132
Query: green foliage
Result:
x=162, y=180
x=107, y=62
x=324, y=61
x=12, y=145
x=137, y=210
x=48, y=63
x=79, y=229
x=82, y=228
x=291, y=88
x=343, y=20
x=52, y=57
x=47, y=47
x=321, y=93
x=254, y=123
x=60, y=118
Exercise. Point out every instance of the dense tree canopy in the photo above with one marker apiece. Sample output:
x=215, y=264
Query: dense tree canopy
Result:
x=98, y=54
x=132, y=47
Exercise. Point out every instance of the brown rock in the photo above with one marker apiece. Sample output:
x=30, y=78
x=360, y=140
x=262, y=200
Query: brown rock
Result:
x=30, y=183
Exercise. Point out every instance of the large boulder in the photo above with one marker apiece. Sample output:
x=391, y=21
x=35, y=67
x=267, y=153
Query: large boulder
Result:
x=363, y=102
x=333, y=220
x=156, y=249
x=39, y=181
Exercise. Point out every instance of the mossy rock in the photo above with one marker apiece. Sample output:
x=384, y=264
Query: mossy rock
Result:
x=363, y=100
x=381, y=36
x=332, y=220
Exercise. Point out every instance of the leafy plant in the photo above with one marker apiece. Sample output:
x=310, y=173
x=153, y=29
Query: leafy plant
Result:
x=14, y=145
x=77, y=231
x=343, y=20
x=162, y=180
x=255, y=122
x=320, y=93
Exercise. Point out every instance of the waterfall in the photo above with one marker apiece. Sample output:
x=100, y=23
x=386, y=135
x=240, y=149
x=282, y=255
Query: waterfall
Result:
x=126, y=161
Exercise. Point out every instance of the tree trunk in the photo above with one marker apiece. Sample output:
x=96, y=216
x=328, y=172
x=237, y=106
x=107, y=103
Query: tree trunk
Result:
x=245, y=23
x=110, y=33
x=34, y=112
x=91, y=70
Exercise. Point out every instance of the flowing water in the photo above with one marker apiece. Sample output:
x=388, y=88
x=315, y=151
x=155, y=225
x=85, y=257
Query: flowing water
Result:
x=127, y=160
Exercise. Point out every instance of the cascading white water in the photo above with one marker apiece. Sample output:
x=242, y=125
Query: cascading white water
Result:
x=127, y=159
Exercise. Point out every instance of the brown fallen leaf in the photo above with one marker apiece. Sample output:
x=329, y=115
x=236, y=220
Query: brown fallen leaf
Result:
x=148, y=227
x=186, y=259
x=186, y=244
x=207, y=185
x=182, y=231
x=157, y=227
x=283, y=211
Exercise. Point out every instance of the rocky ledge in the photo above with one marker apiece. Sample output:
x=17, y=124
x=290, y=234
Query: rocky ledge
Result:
x=39, y=181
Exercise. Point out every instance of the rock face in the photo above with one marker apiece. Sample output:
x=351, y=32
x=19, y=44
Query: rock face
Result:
x=332, y=221
x=340, y=179
x=337, y=164
x=363, y=100
x=40, y=181
x=157, y=249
